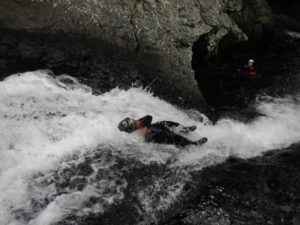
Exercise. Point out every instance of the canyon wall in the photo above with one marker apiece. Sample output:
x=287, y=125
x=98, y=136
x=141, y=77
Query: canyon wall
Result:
x=158, y=35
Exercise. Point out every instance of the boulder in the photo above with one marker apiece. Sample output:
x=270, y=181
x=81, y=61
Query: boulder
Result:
x=157, y=34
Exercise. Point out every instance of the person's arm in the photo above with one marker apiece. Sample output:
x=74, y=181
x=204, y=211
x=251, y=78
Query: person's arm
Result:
x=146, y=121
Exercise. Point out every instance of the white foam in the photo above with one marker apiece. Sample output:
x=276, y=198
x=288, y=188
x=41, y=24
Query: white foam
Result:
x=293, y=34
x=277, y=129
x=43, y=121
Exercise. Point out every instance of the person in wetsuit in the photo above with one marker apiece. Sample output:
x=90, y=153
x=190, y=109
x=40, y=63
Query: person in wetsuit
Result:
x=161, y=132
x=250, y=69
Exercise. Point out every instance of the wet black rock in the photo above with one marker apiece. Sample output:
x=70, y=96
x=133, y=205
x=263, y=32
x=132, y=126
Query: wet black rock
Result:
x=261, y=190
x=255, y=191
x=159, y=35
x=288, y=8
x=63, y=54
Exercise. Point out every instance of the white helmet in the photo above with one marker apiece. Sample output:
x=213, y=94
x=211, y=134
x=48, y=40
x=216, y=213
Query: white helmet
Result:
x=251, y=61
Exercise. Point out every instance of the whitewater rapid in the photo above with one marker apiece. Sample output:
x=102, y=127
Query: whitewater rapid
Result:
x=47, y=122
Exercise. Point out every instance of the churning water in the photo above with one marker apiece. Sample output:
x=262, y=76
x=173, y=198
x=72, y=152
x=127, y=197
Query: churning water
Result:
x=60, y=147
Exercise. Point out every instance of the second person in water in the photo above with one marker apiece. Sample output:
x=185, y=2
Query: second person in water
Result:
x=163, y=132
x=250, y=69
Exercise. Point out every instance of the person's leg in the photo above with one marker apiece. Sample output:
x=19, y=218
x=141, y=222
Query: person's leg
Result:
x=186, y=130
x=181, y=141
x=169, y=124
x=162, y=135
x=182, y=129
x=201, y=141
x=178, y=140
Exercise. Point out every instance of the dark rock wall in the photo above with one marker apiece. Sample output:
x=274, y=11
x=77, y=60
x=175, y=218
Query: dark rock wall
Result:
x=261, y=190
x=289, y=8
x=22, y=51
x=158, y=35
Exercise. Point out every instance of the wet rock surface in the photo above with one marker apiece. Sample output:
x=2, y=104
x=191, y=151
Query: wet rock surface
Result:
x=22, y=51
x=289, y=8
x=159, y=34
x=151, y=47
x=262, y=190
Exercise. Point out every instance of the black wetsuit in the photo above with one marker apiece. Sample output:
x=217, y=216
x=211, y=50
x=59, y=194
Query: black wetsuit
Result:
x=161, y=132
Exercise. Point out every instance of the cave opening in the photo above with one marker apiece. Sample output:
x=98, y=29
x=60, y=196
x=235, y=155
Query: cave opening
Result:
x=216, y=75
x=223, y=87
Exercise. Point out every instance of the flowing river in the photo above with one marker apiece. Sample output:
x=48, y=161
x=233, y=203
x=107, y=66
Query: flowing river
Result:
x=63, y=158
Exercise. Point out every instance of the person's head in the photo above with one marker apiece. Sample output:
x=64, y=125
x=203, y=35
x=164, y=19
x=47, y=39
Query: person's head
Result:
x=127, y=125
x=250, y=62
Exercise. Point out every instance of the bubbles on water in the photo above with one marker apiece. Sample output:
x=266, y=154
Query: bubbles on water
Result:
x=61, y=153
x=91, y=182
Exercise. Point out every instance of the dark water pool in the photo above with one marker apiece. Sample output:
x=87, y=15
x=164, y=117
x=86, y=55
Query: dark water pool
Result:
x=227, y=91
